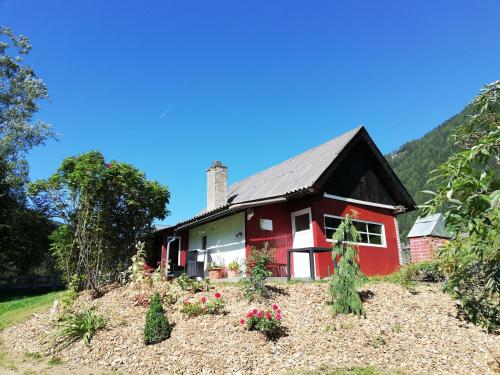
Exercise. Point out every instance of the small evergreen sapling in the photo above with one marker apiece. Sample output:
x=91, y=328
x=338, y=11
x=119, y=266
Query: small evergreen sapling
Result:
x=347, y=276
x=157, y=326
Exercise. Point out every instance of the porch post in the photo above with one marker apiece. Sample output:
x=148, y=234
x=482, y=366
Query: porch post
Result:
x=311, y=262
x=288, y=264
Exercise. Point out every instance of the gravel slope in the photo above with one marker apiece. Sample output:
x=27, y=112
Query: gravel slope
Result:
x=416, y=333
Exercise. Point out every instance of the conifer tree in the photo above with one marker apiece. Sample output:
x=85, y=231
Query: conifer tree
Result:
x=348, y=275
x=157, y=326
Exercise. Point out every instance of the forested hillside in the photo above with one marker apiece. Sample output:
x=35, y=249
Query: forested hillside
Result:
x=413, y=161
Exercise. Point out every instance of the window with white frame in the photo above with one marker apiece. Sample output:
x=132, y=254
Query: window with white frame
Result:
x=371, y=233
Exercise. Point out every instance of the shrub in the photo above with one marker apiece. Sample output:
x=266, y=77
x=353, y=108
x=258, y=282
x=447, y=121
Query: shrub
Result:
x=195, y=286
x=71, y=293
x=347, y=276
x=157, y=327
x=138, y=276
x=408, y=274
x=257, y=268
x=79, y=325
x=204, y=306
x=468, y=194
x=266, y=321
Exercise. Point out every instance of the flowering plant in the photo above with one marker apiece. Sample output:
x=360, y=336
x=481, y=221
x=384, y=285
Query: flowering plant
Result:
x=266, y=321
x=204, y=306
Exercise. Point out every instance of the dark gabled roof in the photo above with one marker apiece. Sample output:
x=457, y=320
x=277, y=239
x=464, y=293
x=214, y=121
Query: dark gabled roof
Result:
x=297, y=173
x=305, y=173
x=430, y=225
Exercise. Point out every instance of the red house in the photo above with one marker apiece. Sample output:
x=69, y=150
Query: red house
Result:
x=297, y=204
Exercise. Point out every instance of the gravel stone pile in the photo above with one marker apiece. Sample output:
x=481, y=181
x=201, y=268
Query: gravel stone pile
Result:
x=416, y=333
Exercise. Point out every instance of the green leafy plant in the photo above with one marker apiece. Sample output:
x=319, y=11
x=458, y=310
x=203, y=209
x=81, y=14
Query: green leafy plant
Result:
x=195, y=286
x=204, y=306
x=138, y=277
x=348, y=277
x=266, y=321
x=215, y=265
x=257, y=269
x=171, y=295
x=81, y=325
x=468, y=190
x=234, y=266
x=157, y=327
x=107, y=208
x=71, y=292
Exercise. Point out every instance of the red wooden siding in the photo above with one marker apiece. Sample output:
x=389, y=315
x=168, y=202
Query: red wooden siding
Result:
x=373, y=260
x=280, y=238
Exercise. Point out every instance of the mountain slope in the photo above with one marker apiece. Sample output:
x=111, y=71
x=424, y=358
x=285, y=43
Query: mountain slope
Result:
x=414, y=160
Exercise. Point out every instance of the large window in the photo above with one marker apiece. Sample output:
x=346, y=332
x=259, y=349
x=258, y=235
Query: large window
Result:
x=371, y=233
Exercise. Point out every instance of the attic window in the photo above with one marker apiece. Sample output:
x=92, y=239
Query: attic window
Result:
x=372, y=234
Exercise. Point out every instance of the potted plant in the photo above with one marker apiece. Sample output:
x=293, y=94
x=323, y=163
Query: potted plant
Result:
x=215, y=271
x=233, y=269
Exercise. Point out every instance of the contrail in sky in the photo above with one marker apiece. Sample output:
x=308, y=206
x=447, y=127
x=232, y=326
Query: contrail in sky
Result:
x=166, y=111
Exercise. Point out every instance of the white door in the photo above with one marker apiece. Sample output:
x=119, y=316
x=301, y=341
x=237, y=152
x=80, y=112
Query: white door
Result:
x=302, y=237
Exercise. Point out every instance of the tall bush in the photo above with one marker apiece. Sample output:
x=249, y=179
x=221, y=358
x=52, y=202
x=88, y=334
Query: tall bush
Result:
x=257, y=269
x=348, y=275
x=157, y=327
x=107, y=209
x=469, y=194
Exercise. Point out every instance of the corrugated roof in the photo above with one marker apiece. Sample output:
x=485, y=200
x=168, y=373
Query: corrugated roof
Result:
x=297, y=173
x=431, y=225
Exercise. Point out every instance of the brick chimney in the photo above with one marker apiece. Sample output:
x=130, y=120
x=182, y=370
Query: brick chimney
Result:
x=216, y=186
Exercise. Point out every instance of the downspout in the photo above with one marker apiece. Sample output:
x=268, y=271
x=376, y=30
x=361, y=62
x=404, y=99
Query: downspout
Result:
x=172, y=239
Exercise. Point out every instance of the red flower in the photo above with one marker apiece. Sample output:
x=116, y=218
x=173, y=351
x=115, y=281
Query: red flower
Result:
x=278, y=317
x=268, y=315
x=203, y=299
x=275, y=307
x=260, y=314
x=255, y=311
x=242, y=321
x=218, y=295
x=250, y=314
x=278, y=311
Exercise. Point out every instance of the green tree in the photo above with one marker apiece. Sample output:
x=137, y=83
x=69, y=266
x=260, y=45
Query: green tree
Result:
x=107, y=208
x=20, y=92
x=23, y=232
x=468, y=191
x=157, y=327
x=348, y=275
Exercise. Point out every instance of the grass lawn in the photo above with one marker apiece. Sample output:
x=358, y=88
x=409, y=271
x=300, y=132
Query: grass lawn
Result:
x=21, y=307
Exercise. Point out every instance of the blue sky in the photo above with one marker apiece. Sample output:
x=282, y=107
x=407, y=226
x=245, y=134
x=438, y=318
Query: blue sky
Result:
x=170, y=86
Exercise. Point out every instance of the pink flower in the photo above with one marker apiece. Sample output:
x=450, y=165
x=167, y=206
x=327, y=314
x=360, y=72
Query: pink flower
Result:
x=275, y=307
x=260, y=314
x=268, y=315
x=217, y=295
x=278, y=311
x=278, y=317
x=203, y=299
x=242, y=321
x=255, y=311
x=250, y=314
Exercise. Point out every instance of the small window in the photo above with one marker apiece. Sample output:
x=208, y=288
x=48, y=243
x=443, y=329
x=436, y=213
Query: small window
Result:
x=266, y=224
x=302, y=222
x=204, y=242
x=370, y=233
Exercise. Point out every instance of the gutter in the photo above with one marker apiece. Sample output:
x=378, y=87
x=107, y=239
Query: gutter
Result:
x=172, y=239
x=233, y=208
